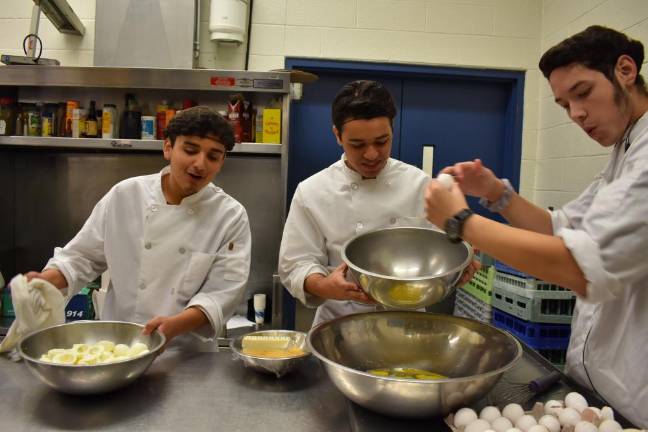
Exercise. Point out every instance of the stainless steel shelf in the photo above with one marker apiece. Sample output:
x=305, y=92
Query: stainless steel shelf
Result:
x=178, y=79
x=120, y=144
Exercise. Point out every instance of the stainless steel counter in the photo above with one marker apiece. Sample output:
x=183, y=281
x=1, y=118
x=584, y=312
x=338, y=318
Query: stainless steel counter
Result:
x=212, y=391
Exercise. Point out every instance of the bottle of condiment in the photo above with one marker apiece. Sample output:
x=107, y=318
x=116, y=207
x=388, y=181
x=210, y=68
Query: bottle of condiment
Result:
x=131, y=124
x=59, y=129
x=33, y=119
x=8, y=114
x=48, y=120
x=91, y=121
x=160, y=117
x=109, y=121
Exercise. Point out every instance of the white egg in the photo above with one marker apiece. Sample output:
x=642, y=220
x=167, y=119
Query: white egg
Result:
x=513, y=412
x=550, y=422
x=490, y=413
x=121, y=350
x=108, y=345
x=537, y=428
x=446, y=180
x=609, y=426
x=479, y=425
x=501, y=424
x=583, y=426
x=553, y=407
x=569, y=417
x=137, y=349
x=607, y=413
x=464, y=417
x=525, y=422
x=575, y=400
x=514, y=430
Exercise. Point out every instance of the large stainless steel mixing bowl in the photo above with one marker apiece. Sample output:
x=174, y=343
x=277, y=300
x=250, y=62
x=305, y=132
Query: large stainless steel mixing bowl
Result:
x=406, y=268
x=276, y=366
x=88, y=379
x=471, y=354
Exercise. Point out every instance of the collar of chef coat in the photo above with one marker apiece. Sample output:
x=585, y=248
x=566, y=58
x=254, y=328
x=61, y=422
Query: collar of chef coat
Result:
x=639, y=127
x=356, y=176
x=191, y=199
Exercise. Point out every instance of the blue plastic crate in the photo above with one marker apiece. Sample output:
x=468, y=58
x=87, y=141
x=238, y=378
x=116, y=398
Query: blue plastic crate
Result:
x=539, y=336
x=500, y=266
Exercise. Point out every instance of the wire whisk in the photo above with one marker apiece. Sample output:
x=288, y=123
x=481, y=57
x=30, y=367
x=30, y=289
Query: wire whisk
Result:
x=510, y=392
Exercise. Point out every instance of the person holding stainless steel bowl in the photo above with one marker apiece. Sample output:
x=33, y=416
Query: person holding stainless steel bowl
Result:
x=363, y=191
x=595, y=245
x=177, y=246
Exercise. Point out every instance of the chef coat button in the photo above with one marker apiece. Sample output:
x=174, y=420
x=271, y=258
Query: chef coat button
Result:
x=354, y=186
x=359, y=226
x=142, y=285
x=154, y=208
x=182, y=250
x=392, y=220
x=190, y=211
x=147, y=245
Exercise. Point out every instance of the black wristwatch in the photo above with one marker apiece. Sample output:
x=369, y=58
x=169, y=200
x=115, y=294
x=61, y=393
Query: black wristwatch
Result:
x=454, y=225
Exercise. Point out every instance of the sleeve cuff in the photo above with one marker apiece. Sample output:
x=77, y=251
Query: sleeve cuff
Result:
x=214, y=315
x=298, y=291
x=601, y=285
x=74, y=286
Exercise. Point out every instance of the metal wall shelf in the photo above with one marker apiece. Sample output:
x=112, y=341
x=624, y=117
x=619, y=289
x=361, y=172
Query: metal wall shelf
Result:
x=120, y=144
x=133, y=78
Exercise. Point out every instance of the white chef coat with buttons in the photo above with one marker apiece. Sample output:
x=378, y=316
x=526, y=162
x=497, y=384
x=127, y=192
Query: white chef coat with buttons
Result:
x=162, y=258
x=334, y=205
x=606, y=230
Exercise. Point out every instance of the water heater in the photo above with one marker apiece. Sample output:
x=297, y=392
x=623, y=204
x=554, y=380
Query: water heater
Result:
x=228, y=20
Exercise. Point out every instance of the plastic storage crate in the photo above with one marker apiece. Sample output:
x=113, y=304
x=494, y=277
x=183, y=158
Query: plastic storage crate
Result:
x=537, y=305
x=468, y=306
x=539, y=336
x=481, y=285
x=509, y=275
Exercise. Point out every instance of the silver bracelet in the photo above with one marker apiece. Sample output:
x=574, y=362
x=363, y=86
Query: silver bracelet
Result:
x=502, y=202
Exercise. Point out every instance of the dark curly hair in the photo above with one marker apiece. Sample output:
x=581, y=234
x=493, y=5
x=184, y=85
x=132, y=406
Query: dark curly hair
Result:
x=596, y=48
x=200, y=121
x=362, y=100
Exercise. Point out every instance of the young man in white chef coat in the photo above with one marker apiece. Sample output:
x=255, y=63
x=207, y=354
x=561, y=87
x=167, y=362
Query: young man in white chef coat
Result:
x=177, y=246
x=365, y=190
x=596, y=244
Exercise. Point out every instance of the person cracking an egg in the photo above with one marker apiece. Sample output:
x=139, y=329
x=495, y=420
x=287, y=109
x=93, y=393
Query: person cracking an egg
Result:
x=177, y=247
x=365, y=190
x=594, y=245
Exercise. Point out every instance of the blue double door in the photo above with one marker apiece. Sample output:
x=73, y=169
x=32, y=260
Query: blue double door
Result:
x=461, y=114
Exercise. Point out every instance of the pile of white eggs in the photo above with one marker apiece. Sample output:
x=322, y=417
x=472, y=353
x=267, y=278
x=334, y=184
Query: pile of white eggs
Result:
x=571, y=415
x=102, y=352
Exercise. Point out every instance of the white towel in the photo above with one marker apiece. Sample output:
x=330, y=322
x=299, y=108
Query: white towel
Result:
x=38, y=304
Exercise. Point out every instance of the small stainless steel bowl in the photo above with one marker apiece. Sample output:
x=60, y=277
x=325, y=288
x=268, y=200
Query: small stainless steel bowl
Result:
x=407, y=267
x=276, y=366
x=471, y=354
x=99, y=378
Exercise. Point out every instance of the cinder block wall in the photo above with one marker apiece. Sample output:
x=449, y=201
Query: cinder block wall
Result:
x=558, y=158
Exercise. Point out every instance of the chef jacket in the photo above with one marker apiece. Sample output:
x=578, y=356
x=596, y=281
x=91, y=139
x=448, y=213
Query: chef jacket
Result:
x=606, y=230
x=162, y=258
x=335, y=205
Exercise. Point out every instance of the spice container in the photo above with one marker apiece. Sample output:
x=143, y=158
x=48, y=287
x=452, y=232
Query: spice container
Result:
x=148, y=127
x=32, y=119
x=108, y=121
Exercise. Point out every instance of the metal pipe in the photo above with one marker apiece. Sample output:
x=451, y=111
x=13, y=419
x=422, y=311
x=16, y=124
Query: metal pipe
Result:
x=33, y=30
x=196, y=37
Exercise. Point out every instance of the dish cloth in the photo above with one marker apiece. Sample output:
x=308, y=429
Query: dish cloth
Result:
x=38, y=304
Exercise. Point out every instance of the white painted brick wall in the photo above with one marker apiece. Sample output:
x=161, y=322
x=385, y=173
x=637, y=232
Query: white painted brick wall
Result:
x=558, y=158
x=568, y=159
